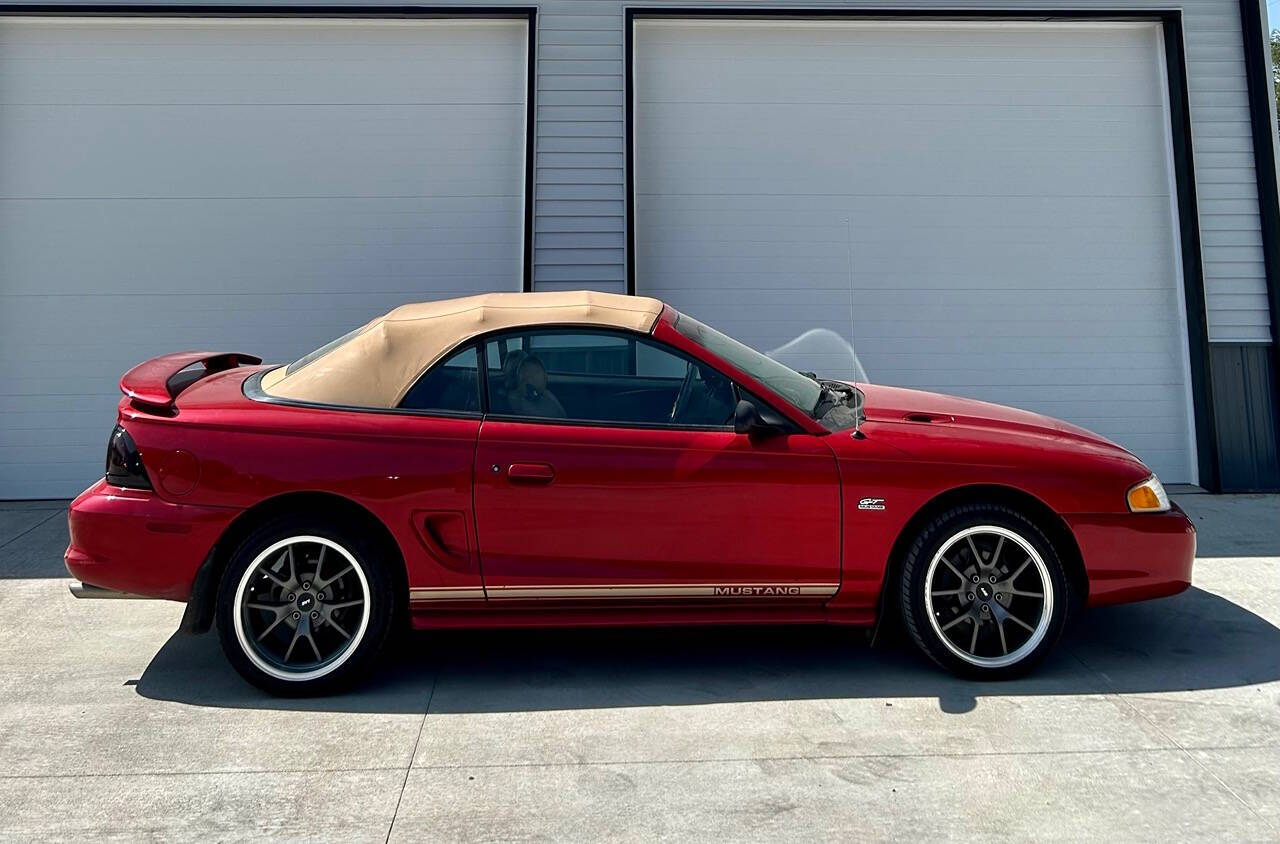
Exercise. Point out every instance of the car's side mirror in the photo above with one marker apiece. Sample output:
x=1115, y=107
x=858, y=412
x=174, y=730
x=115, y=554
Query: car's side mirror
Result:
x=748, y=420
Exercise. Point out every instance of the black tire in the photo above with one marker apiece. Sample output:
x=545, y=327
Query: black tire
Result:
x=287, y=619
x=1001, y=630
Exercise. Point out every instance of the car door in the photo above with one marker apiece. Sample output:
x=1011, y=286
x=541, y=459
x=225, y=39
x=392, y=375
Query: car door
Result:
x=607, y=468
x=439, y=422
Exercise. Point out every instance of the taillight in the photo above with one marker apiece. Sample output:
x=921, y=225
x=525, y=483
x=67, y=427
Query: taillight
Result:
x=124, y=462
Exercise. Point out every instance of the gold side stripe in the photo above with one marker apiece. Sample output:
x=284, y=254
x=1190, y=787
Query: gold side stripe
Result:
x=447, y=593
x=624, y=591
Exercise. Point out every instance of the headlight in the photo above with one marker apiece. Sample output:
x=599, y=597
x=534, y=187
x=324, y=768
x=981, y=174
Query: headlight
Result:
x=1148, y=497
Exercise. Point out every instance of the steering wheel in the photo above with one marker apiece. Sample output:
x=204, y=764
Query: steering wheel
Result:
x=682, y=397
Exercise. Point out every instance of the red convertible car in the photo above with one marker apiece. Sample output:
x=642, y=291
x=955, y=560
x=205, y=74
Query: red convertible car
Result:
x=593, y=459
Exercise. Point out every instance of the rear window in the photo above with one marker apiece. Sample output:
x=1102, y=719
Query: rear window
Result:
x=323, y=350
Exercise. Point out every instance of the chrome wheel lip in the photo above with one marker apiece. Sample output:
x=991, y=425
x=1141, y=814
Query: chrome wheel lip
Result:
x=1046, y=612
x=242, y=637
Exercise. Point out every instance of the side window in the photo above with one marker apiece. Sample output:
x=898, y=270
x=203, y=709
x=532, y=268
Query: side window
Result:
x=453, y=385
x=593, y=376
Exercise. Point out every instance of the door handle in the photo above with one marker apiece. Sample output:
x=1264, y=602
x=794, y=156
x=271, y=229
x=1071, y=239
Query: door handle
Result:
x=531, y=473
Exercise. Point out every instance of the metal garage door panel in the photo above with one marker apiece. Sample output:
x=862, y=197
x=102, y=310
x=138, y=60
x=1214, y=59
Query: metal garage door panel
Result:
x=985, y=209
x=254, y=185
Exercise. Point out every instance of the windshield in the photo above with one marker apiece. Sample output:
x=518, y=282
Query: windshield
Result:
x=799, y=390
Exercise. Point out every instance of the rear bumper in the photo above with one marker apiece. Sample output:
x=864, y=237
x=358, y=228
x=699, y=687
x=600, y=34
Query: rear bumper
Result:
x=128, y=540
x=1135, y=556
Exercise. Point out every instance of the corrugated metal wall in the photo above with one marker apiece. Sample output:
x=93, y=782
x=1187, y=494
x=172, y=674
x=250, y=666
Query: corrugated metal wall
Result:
x=579, y=193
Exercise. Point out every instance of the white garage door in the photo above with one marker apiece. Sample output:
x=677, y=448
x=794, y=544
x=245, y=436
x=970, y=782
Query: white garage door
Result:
x=985, y=209
x=247, y=185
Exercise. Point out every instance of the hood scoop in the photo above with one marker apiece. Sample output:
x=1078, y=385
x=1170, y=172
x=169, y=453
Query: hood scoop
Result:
x=928, y=418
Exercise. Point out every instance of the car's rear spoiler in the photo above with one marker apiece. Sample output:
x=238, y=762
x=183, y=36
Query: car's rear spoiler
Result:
x=154, y=384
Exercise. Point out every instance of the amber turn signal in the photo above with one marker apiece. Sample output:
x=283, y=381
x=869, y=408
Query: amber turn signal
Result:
x=1148, y=497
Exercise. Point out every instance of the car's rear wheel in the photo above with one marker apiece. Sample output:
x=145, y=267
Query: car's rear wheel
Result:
x=303, y=608
x=984, y=592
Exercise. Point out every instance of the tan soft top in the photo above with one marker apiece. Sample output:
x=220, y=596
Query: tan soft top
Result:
x=378, y=365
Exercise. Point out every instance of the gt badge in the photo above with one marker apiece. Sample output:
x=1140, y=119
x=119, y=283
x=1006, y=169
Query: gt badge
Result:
x=871, y=504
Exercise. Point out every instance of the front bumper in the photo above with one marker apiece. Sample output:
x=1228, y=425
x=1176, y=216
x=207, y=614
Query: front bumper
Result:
x=1135, y=556
x=130, y=540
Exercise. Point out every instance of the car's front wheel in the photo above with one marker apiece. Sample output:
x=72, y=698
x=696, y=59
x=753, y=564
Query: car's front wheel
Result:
x=984, y=592
x=303, y=608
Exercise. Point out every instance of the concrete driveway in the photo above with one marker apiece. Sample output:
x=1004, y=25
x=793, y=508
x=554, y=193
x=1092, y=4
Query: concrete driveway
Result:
x=1158, y=721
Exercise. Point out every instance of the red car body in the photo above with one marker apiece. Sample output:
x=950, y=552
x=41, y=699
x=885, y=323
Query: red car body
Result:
x=504, y=523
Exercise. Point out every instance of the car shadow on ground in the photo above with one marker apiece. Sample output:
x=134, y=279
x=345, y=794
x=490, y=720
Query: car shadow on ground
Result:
x=1196, y=640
